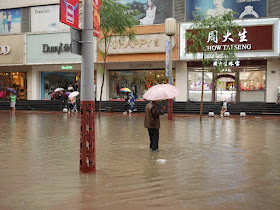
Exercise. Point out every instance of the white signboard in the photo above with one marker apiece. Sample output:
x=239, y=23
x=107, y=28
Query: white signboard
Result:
x=144, y=43
x=46, y=18
x=49, y=48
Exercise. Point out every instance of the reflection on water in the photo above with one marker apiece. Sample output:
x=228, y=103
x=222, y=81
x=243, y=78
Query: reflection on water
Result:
x=219, y=163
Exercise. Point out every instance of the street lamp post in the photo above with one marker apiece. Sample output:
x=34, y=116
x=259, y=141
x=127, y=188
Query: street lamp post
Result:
x=87, y=138
x=170, y=30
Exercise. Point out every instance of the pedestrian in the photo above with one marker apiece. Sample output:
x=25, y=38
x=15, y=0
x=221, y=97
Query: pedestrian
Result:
x=69, y=106
x=74, y=103
x=224, y=108
x=62, y=98
x=152, y=123
x=278, y=95
x=127, y=104
x=13, y=98
x=70, y=88
x=132, y=102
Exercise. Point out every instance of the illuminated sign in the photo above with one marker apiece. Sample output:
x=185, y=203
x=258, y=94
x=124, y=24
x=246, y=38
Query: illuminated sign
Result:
x=67, y=67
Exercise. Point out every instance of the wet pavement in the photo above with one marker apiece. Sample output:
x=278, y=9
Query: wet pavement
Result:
x=230, y=163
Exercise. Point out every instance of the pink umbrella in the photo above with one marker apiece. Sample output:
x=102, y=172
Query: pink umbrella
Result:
x=161, y=92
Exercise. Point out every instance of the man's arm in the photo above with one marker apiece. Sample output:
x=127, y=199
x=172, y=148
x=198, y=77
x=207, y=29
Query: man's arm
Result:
x=157, y=112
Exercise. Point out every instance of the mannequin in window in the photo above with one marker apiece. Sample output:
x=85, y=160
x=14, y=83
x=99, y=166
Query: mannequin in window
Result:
x=150, y=14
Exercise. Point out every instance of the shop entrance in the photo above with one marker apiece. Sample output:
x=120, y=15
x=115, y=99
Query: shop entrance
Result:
x=225, y=87
x=15, y=80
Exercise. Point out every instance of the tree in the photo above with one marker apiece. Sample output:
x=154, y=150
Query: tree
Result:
x=116, y=20
x=203, y=34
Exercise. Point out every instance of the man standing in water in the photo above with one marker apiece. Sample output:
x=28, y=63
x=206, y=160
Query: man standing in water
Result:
x=152, y=123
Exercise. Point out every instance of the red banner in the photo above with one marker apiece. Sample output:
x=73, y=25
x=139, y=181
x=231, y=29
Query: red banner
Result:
x=96, y=17
x=69, y=12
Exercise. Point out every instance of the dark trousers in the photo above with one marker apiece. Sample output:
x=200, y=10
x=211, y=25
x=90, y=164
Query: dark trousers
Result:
x=154, y=137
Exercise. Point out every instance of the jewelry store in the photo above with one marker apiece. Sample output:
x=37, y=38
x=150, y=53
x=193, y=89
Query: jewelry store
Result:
x=252, y=77
x=137, y=65
x=12, y=71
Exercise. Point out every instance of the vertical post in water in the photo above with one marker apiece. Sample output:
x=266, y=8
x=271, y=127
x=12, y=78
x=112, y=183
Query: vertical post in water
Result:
x=87, y=138
x=170, y=101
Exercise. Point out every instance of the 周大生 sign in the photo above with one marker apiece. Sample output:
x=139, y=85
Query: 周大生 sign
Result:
x=249, y=38
x=257, y=38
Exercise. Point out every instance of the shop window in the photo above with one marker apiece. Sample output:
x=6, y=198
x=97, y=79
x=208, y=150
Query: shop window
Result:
x=226, y=87
x=195, y=86
x=15, y=80
x=139, y=81
x=53, y=80
x=252, y=86
x=252, y=80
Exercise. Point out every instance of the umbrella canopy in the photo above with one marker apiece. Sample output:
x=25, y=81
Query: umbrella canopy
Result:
x=224, y=97
x=73, y=94
x=125, y=90
x=161, y=92
x=12, y=90
x=58, y=89
x=67, y=93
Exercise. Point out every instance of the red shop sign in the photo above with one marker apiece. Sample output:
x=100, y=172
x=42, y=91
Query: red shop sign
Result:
x=250, y=38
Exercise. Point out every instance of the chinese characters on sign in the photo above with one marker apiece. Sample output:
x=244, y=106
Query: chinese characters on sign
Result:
x=213, y=36
x=228, y=63
x=69, y=12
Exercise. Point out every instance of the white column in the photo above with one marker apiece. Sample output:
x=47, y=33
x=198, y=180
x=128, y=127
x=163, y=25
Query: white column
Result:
x=273, y=79
x=182, y=80
x=33, y=85
x=105, y=93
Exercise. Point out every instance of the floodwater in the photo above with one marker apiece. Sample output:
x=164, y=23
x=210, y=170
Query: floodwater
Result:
x=229, y=163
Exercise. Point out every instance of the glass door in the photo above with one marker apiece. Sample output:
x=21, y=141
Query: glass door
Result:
x=226, y=87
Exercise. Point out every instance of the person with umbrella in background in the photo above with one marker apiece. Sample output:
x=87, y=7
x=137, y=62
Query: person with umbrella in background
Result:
x=13, y=98
x=72, y=97
x=223, y=103
x=127, y=100
x=62, y=98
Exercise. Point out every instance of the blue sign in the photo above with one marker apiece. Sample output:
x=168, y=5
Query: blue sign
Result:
x=167, y=58
x=10, y=21
x=243, y=8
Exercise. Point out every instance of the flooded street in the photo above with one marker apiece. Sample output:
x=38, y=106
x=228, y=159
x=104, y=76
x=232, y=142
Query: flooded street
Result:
x=229, y=163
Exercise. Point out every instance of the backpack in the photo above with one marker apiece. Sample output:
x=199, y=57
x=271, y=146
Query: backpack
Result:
x=221, y=103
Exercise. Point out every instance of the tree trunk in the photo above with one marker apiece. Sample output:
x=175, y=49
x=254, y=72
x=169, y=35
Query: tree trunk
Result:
x=103, y=78
x=202, y=90
x=101, y=89
x=214, y=87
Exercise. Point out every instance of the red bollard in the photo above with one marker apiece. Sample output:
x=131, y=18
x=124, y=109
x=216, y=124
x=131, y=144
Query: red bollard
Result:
x=87, y=138
x=170, y=109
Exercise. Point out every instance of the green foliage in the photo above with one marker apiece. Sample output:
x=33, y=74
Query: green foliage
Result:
x=100, y=70
x=198, y=36
x=116, y=19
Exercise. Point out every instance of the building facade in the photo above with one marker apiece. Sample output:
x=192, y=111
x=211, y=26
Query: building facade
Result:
x=35, y=55
x=253, y=77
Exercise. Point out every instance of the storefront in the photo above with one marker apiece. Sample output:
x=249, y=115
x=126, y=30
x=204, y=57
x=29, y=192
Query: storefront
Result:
x=12, y=71
x=137, y=65
x=246, y=82
x=252, y=77
x=52, y=64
